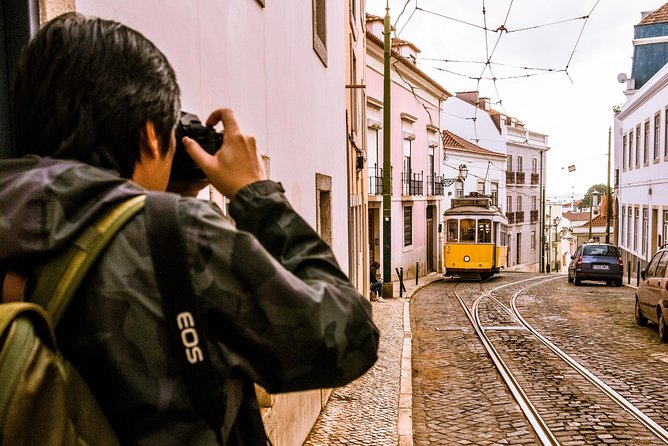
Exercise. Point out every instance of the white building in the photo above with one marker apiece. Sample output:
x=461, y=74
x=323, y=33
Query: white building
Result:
x=641, y=147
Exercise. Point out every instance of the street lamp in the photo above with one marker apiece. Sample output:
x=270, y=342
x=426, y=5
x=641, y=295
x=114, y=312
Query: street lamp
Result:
x=463, y=173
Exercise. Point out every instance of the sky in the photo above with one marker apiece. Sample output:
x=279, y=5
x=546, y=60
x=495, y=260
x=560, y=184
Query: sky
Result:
x=556, y=67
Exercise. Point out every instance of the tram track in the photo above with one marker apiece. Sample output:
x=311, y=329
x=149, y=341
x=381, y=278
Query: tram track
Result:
x=513, y=320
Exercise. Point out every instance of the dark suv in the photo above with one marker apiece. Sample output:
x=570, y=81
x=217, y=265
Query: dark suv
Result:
x=652, y=294
x=596, y=261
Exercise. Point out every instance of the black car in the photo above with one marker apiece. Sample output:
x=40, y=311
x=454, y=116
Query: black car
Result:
x=596, y=261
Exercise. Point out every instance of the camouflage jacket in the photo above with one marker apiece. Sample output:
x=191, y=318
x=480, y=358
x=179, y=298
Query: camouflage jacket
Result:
x=279, y=310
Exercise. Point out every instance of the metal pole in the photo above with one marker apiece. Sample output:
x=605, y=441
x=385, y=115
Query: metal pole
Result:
x=608, y=200
x=591, y=205
x=387, y=183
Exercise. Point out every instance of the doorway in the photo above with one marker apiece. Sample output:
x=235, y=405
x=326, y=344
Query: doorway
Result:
x=430, y=238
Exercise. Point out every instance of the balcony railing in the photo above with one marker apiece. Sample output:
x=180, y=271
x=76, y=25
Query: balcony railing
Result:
x=435, y=185
x=519, y=177
x=511, y=217
x=535, y=179
x=510, y=177
x=376, y=180
x=534, y=216
x=519, y=216
x=412, y=183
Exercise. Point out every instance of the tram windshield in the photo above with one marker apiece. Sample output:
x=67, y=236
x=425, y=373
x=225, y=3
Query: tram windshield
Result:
x=484, y=231
x=452, y=230
x=467, y=230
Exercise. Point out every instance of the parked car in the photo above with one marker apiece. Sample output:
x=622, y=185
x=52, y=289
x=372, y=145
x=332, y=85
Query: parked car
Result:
x=652, y=294
x=596, y=261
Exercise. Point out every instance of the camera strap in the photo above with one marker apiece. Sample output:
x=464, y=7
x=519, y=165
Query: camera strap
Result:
x=186, y=326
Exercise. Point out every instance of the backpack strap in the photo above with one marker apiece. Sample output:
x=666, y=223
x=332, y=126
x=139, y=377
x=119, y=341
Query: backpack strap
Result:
x=186, y=326
x=58, y=279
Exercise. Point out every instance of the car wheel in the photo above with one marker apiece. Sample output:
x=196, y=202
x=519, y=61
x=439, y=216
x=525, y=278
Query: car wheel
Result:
x=608, y=282
x=663, y=330
x=640, y=319
x=577, y=281
x=618, y=282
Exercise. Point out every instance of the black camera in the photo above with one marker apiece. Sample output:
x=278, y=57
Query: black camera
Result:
x=183, y=166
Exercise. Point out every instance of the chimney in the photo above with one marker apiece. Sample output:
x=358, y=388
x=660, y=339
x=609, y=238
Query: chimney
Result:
x=485, y=104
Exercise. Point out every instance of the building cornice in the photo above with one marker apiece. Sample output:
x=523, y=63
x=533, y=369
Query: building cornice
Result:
x=650, y=40
x=647, y=92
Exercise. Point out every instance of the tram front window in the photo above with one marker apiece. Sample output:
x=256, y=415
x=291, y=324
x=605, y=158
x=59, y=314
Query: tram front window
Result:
x=452, y=230
x=485, y=231
x=467, y=230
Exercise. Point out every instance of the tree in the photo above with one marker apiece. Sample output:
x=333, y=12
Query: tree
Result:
x=602, y=189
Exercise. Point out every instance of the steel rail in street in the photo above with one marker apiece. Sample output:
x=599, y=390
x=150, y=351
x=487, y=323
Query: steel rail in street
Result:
x=650, y=424
x=539, y=426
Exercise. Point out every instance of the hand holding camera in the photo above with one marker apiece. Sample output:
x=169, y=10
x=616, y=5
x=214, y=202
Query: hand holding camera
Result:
x=230, y=166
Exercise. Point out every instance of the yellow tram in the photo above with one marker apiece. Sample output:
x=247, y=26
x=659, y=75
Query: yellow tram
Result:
x=476, y=238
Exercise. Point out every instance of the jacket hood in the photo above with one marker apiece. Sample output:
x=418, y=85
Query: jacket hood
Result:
x=46, y=202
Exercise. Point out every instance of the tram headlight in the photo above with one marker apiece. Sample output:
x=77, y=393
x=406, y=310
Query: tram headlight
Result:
x=467, y=258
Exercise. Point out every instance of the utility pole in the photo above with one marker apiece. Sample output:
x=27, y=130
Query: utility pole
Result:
x=387, y=166
x=608, y=200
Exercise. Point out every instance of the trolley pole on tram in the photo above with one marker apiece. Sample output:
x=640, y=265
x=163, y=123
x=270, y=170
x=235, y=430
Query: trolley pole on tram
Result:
x=387, y=166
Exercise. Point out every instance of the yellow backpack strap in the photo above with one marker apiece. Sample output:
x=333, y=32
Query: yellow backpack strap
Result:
x=59, y=278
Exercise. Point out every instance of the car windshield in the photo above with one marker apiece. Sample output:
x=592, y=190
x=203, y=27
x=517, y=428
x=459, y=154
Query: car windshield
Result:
x=600, y=251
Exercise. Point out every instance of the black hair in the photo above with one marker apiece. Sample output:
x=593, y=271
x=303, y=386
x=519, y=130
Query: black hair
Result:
x=85, y=89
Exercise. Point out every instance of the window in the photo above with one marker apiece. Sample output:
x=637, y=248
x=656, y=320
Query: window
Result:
x=533, y=240
x=509, y=204
x=323, y=185
x=636, y=229
x=495, y=193
x=453, y=229
x=408, y=225
x=661, y=266
x=645, y=151
x=638, y=160
x=665, y=226
x=533, y=204
x=467, y=230
x=481, y=187
x=631, y=152
x=665, y=133
x=519, y=248
x=320, y=29
x=407, y=156
x=534, y=166
x=459, y=189
x=622, y=222
x=657, y=132
x=644, y=231
x=519, y=203
x=510, y=163
x=624, y=153
x=519, y=164
x=485, y=231
x=651, y=268
x=628, y=228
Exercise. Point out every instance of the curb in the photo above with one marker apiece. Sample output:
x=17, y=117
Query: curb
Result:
x=405, y=412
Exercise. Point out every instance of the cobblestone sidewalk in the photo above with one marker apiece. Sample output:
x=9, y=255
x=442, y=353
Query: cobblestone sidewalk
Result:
x=366, y=412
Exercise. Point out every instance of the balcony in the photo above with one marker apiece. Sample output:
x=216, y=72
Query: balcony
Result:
x=435, y=185
x=510, y=177
x=412, y=183
x=375, y=180
x=519, y=217
x=511, y=217
x=535, y=179
x=519, y=177
x=533, y=216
